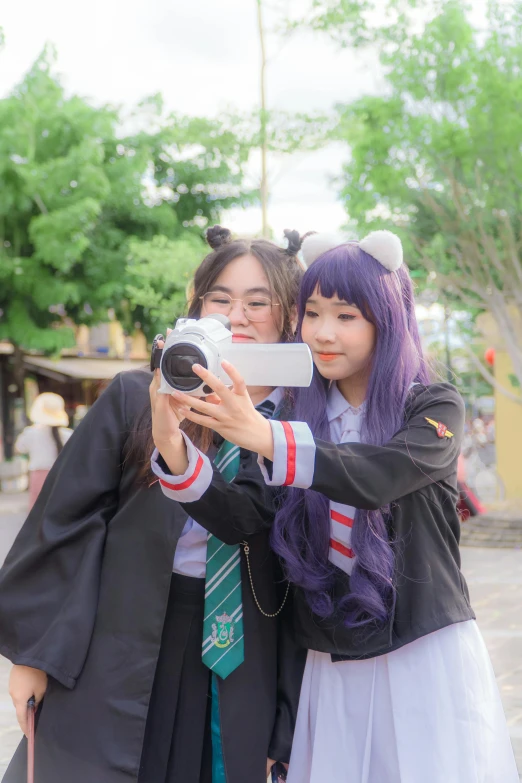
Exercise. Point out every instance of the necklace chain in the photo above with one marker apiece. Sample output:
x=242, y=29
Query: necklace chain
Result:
x=266, y=614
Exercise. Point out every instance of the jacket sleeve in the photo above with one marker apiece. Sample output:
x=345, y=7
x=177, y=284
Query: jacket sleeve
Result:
x=233, y=511
x=49, y=582
x=369, y=477
x=193, y=483
x=291, y=660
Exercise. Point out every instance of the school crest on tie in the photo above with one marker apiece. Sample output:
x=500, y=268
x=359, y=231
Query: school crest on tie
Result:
x=223, y=631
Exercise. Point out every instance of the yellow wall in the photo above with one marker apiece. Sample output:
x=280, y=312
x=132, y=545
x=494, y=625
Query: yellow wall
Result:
x=140, y=349
x=508, y=430
x=115, y=341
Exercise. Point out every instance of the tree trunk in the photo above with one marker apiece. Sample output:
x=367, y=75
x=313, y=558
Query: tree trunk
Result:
x=17, y=363
x=489, y=271
x=263, y=123
x=12, y=376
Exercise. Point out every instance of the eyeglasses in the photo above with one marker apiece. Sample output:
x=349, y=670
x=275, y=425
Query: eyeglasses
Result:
x=256, y=308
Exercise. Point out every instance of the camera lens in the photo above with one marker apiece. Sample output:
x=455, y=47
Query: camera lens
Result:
x=176, y=366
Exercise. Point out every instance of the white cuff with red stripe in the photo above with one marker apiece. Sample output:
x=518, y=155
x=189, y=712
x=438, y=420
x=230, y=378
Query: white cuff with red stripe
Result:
x=193, y=483
x=294, y=455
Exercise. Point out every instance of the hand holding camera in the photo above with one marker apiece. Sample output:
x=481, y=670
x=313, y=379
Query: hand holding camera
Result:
x=208, y=342
x=234, y=417
x=166, y=420
x=194, y=361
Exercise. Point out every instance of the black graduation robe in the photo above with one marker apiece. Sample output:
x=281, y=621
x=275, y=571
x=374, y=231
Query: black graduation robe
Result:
x=83, y=595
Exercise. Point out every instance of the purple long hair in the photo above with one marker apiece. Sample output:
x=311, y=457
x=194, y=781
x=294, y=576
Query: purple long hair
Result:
x=301, y=532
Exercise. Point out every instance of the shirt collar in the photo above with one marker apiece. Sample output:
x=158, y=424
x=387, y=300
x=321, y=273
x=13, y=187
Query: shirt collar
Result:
x=337, y=405
x=275, y=396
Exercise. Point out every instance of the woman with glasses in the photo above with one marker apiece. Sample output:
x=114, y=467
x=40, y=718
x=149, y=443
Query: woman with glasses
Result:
x=115, y=604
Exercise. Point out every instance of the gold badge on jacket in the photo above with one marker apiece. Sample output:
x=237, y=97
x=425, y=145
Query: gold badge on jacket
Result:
x=442, y=430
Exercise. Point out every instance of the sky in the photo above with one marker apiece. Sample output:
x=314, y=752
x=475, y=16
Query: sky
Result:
x=203, y=56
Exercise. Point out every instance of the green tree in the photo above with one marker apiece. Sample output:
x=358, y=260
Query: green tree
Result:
x=84, y=191
x=158, y=276
x=438, y=157
x=357, y=23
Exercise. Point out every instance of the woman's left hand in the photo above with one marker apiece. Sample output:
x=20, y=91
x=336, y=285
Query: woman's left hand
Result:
x=234, y=417
x=270, y=763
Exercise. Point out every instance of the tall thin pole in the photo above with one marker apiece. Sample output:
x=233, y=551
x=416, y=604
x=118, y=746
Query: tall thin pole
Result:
x=263, y=122
x=449, y=368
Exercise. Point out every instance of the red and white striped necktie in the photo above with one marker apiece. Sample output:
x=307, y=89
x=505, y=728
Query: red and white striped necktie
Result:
x=341, y=515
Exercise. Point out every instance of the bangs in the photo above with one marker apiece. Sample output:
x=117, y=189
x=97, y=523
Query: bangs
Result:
x=342, y=273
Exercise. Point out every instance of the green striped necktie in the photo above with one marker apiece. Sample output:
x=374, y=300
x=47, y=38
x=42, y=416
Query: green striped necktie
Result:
x=223, y=639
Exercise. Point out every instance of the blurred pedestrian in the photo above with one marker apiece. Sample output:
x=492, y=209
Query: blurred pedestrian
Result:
x=468, y=504
x=79, y=413
x=44, y=439
x=479, y=433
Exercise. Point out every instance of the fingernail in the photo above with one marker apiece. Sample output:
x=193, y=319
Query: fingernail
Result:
x=197, y=367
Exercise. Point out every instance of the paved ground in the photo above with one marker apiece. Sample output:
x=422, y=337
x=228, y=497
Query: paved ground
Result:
x=495, y=580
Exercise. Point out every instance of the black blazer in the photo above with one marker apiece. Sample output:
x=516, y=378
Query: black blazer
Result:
x=416, y=473
x=83, y=596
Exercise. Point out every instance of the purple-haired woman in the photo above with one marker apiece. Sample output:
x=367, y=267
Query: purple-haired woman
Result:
x=398, y=685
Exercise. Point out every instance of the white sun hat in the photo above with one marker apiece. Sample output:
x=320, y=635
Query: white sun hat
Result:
x=49, y=408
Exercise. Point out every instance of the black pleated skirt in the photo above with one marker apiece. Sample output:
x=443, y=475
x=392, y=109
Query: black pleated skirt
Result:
x=177, y=746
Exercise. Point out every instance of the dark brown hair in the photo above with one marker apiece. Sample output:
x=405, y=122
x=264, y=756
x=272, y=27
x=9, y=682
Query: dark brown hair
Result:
x=280, y=266
x=55, y=432
x=283, y=272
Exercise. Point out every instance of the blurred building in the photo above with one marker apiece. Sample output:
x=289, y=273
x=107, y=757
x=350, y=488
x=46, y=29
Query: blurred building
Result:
x=78, y=375
x=508, y=413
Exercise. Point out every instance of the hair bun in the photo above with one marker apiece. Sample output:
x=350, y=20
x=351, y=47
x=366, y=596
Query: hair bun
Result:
x=217, y=236
x=294, y=241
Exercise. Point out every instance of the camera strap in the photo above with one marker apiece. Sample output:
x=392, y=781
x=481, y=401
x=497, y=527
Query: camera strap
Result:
x=155, y=354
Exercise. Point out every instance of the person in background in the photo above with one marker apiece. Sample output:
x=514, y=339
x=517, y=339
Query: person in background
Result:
x=79, y=413
x=468, y=504
x=44, y=439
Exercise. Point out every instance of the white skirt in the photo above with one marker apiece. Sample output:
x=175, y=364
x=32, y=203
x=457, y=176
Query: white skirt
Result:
x=429, y=712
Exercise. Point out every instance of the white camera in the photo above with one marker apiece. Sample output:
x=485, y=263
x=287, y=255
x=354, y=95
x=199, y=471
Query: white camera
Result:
x=208, y=341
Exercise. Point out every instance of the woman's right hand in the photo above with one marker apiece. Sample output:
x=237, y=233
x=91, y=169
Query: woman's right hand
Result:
x=166, y=420
x=166, y=417
x=24, y=683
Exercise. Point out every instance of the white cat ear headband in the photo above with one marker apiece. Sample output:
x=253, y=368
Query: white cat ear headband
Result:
x=384, y=246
